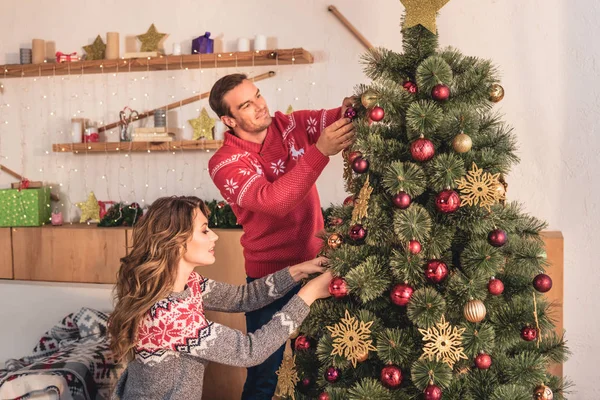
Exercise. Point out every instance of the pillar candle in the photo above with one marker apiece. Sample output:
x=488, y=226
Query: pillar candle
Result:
x=260, y=42
x=243, y=44
x=112, y=45
x=38, y=51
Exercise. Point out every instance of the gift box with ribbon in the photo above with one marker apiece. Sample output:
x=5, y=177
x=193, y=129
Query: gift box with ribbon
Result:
x=63, y=57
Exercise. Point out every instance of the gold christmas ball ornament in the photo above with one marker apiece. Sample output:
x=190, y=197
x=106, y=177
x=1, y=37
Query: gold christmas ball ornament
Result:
x=474, y=311
x=543, y=392
x=500, y=190
x=334, y=241
x=496, y=93
x=363, y=356
x=369, y=98
x=462, y=143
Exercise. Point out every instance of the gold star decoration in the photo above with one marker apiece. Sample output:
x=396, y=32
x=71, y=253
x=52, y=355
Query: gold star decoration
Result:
x=90, y=210
x=151, y=39
x=422, y=12
x=287, y=377
x=202, y=126
x=362, y=203
x=289, y=110
x=351, y=338
x=96, y=50
x=479, y=188
x=444, y=343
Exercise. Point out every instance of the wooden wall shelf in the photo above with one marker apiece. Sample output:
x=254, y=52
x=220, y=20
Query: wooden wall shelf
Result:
x=161, y=63
x=127, y=147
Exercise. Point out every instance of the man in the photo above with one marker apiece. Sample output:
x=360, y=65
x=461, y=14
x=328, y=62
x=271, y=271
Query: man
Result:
x=266, y=170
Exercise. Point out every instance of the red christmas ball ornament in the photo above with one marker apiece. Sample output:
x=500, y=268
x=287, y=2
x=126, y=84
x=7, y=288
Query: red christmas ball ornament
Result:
x=335, y=221
x=497, y=238
x=402, y=200
x=302, y=343
x=447, y=201
x=338, y=288
x=391, y=376
x=305, y=384
x=354, y=155
x=350, y=113
x=495, y=287
x=422, y=150
x=401, y=294
x=483, y=361
x=440, y=92
x=332, y=374
x=542, y=283
x=414, y=247
x=432, y=392
x=360, y=165
x=436, y=271
x=324, y=396
x=349, y=201
x=377, y=113
x=529, y=333
x=357, y=233
x=410, y=87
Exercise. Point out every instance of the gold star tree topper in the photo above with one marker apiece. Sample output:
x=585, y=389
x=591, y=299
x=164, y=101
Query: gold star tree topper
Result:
x=479, y=188
x=90, y=210
x=96, y=50
x=422, y=12
x=151, y=39
x=287, y=377
x=351, y=338
x=203, y=126
x=362, y=204
x=444, y=343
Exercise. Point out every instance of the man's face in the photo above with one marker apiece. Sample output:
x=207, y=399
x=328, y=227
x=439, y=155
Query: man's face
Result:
x=248, y=108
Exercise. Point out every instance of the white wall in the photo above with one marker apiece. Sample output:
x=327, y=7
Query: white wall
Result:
x=545, y=50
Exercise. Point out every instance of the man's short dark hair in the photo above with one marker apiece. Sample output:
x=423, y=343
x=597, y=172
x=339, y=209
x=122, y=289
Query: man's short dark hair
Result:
x=220, y=89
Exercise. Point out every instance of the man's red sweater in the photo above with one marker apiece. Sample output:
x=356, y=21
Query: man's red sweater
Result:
x=271, y=189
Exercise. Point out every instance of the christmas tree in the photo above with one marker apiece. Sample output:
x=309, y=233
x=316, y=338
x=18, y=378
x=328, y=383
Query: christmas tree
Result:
x=439, y=279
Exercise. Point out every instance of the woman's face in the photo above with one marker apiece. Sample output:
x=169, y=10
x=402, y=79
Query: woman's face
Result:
x=201, y=246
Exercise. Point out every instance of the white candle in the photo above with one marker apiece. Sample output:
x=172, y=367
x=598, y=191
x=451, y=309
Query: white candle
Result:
x=243, y=44
x=77, y=131
x=176, y=49
x=260, y=42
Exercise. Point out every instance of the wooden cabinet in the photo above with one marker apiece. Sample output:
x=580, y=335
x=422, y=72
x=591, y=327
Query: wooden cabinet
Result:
x=6, y=262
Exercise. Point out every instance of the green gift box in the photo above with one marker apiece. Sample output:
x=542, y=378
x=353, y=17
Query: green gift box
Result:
x=26, y=207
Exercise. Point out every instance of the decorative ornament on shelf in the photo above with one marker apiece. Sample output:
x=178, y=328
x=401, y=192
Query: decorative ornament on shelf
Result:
x=338, y=288
x=334, y=241
x=361, y=206
x=529, y=333
x=432, y=392
x=90, y=210
x=402, y=200
x=542, y=283
x=447, y=201
x=443, y=343
x=462, y=143
x=57, y=218
x=543, y=392
x=70, y=57
x=332, y=374
x=94, y=51
x=377, y=114
x=350, y=113
x=440, y=92
x=483, y=361
x=422, y=150
x=496, y=93
x=369, y=99
x=357, y=233
x=479, y=188
x=151, y=39
x=495, y=287
x=351, y=338
x=474, y=311
x=497, y=238
x=202, y=125
x=419, y=12
x=203, y=44
x=401, y=294
x=360, y=165
x=391, y=376
x=411, y=87
x=436, y=271
x=287, y=376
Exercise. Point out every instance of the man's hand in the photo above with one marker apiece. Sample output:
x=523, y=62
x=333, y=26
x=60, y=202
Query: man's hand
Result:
x=336, y=137
x=347, y=103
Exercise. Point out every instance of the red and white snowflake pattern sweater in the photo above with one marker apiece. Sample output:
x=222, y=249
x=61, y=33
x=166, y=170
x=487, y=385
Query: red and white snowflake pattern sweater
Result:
x=271, y=189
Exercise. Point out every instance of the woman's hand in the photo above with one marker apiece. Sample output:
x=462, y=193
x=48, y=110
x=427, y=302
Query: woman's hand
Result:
x=303, y=270
x=317, y=288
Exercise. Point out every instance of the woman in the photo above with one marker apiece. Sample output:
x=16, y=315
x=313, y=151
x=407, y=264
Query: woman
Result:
x=158, y=323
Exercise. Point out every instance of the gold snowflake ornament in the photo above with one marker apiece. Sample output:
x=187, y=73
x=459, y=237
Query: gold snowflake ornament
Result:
x=479, y=188
x=362, y=204
x=444, y=343
x=287, y=377
x=351, y=338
